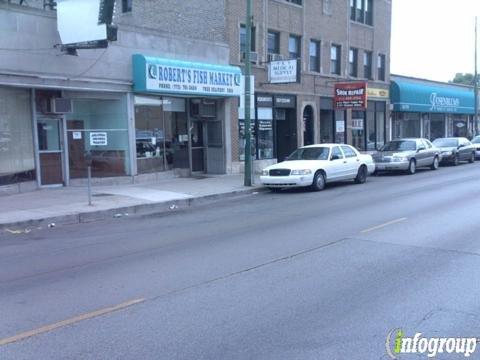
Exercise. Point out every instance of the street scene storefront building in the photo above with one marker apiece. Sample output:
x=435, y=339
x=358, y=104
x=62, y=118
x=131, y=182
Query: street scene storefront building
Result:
x=429, y=109
x=180, y=116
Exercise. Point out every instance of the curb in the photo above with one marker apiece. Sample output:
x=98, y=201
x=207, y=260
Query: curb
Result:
x=170, y=207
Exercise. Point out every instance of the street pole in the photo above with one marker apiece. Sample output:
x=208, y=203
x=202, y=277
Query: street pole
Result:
x=475, y=86
x=248, y=71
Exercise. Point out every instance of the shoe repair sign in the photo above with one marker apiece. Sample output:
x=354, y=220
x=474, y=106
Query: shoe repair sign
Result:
x=350, y=95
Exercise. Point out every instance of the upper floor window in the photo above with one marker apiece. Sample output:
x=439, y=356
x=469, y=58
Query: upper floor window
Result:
x=353, y=62
x=381, y=67
x=126, y=6
x=297, y=2
x=294, y=47
x=273, y=42
x=335, y=56
x=243, y=39
x=367, y=64
x=327, y=7
x=362, y=11
x=314, y=53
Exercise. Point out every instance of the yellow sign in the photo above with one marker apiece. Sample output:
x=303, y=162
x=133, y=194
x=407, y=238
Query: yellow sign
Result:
x=378, y=93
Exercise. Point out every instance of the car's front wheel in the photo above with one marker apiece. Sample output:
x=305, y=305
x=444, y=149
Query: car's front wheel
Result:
x=361, y=175
x=412, y=167
x=472, y=158
x=456, y=160
x=318, y=181
x=435, y=163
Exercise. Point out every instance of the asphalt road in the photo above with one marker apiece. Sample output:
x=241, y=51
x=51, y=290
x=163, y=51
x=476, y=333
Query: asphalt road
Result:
x=295, y=275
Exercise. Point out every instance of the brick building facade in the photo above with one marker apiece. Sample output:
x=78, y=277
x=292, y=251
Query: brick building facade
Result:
x=360, y=31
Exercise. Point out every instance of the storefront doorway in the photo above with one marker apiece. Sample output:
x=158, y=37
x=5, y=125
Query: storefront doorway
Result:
x=308, y=133
x=50, y=150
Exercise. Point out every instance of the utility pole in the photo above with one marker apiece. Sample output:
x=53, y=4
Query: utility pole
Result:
x=475, y=86
x=248, y=71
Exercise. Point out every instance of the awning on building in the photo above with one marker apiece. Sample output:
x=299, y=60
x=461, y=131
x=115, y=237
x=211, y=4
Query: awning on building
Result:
x=415, y=95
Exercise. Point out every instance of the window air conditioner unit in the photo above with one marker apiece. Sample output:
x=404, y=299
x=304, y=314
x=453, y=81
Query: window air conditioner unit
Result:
x=253, y=57
x=274, y=57
x=61, y=106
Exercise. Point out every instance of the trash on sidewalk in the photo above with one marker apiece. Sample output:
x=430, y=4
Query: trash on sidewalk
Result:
x=51, y=225
x=24, y=231
x=118, y=215
x=173, y=207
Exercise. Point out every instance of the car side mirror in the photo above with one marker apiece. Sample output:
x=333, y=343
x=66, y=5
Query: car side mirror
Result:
x=334, y=157
x=421, y=148
x=286, y=158
x=460, y=146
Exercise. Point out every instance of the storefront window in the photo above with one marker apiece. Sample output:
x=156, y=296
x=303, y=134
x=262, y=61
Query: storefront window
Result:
x=371, y=126
x=265, y=133
x=242, y=140
x=98, y=127
x=461, y=126
x=326, y=126
x=161, y=134
x=437, y=126
x=16, y=140
x=406, y=125
x=358, y=130
x=380, y=115
x=340, y=127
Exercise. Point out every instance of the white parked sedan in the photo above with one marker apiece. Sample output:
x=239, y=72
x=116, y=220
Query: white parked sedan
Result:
x=316, y=165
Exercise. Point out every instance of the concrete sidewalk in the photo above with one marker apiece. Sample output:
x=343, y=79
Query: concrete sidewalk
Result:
x=69, y=205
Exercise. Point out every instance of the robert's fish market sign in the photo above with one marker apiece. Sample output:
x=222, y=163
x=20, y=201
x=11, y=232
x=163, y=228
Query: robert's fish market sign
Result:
x=182, y=77
x=350, y=95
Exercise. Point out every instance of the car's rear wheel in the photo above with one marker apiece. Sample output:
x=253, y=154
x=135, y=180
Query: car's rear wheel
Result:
x=361, y=175
x=435, y=163
x=412, y=167
x=318, y=181
x=472, y=158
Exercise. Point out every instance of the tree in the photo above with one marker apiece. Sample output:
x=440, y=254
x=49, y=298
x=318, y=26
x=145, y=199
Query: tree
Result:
x=466, y=79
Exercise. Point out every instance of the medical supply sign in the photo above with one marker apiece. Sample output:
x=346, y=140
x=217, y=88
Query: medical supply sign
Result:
x=182, y=77
x=350, y=95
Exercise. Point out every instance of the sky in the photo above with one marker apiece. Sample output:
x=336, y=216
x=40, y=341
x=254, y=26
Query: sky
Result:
x=434, y=39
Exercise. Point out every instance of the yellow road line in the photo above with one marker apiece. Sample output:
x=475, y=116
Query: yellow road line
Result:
x=67, y=322
x=383, y=225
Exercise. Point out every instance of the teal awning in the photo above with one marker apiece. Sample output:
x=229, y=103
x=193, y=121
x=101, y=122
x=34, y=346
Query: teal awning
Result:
x=414, y=95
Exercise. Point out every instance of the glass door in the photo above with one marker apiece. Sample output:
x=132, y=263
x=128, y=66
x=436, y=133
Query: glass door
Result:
x=50, y=151
x=197, y=129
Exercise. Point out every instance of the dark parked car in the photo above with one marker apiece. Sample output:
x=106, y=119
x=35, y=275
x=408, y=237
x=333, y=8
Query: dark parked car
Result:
x=476, y=144
x=407, y=155
x=455, y=149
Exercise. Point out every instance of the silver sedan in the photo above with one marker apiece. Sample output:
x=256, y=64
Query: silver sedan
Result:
x=407, y=155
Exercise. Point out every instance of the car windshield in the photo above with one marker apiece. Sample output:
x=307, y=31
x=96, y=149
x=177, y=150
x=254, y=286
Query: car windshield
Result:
x=476, y=140
x=446, y=142
x=399, y=145
x=314, y=153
